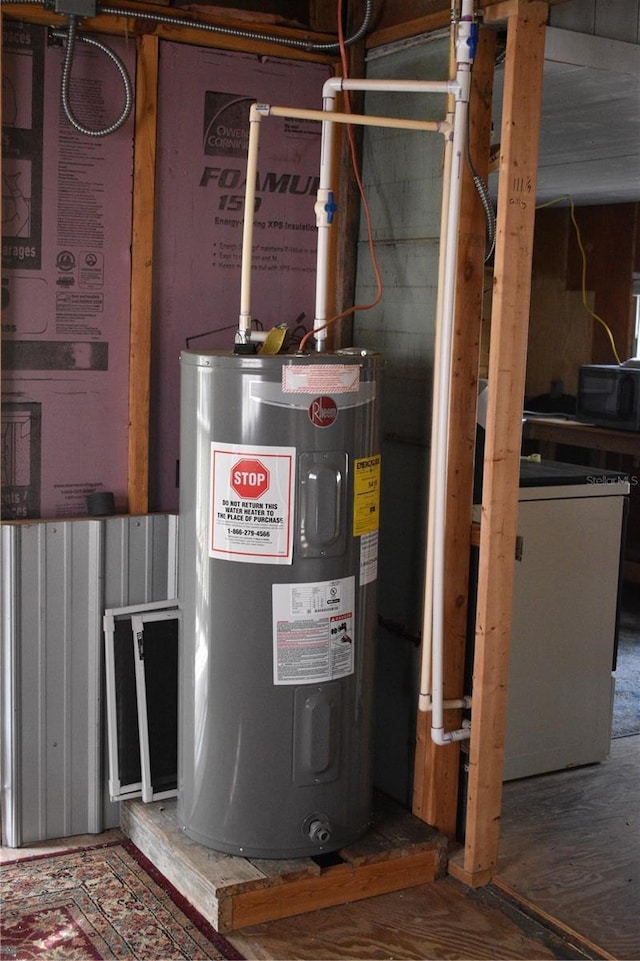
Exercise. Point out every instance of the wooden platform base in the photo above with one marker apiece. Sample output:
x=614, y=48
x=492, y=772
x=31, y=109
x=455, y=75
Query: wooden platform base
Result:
x=398, y=852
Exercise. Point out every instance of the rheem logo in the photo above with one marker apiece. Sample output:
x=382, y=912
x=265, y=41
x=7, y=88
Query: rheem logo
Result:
x=323, y=411
x=249, y=478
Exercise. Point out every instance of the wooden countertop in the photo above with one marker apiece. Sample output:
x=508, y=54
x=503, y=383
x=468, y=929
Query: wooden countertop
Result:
x=559, y=430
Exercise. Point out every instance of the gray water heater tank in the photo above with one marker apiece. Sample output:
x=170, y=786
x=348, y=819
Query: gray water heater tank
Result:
x=279, y=505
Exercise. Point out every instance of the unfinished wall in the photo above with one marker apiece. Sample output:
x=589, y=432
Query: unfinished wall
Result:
x=66, y=234
x=200, y=184
x=402, y=176
x=562, y=333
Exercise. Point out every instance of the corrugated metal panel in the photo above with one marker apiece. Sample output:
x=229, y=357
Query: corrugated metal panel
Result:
x=9, y=673
x=140, y=559
x=58, y=576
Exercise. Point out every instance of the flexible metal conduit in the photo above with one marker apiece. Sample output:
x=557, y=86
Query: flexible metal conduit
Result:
x=308, y=45
x=71, y=36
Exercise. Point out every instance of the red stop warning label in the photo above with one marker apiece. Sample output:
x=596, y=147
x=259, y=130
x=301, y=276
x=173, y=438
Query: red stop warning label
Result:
x=252, y=503
x=249, y=478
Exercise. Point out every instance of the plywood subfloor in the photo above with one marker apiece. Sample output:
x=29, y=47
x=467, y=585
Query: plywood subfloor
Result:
x=570, y=845
x=442, y=920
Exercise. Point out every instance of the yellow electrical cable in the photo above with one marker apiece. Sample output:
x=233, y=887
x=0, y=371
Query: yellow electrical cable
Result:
x=584, y=269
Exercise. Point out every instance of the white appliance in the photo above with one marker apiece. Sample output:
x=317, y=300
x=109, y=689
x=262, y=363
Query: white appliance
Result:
x=561, y=686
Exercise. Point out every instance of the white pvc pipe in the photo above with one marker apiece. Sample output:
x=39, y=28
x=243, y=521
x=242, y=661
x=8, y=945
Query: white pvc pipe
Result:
x=424, y=690
x=390, y=86
x=329, y=90
x=441, y=398
x=441, y=424
x=363, y=120
x=433, y=639
x=256, y=113
x=424, y=697
x=325, y=196
x=244, y=321
x=451, y=704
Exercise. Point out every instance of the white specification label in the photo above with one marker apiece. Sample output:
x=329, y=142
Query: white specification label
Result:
x=368, y=557
x=320, y=379
x=252, y=503
x=313, y=631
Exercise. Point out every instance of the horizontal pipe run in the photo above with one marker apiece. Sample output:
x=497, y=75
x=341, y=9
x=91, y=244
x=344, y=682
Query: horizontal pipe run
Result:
x=394, y=86
x=327, y=117
x=435, y=126
x=453, y=704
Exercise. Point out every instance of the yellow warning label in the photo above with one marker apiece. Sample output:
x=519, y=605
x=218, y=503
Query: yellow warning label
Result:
x=366, y=494
x=274, y=341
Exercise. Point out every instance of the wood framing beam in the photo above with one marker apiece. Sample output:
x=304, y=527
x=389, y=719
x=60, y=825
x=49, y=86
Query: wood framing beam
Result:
x=144, y=163
x=418, y=27
x=399, y=22
x=183, y=30
x=435, y=786
x=507, y=366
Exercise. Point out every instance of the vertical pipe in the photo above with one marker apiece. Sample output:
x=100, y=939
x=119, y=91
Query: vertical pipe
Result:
x=324, y=206
x=441, y=422
x=426, y=681
x=440, y=429
x=324, y=217
x=244, y=325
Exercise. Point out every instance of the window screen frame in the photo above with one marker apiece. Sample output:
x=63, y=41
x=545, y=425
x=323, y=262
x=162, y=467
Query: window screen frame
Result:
x=138, y=624
x=126, y=789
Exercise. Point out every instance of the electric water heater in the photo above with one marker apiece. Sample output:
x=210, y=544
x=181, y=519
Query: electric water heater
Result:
x=279, y=508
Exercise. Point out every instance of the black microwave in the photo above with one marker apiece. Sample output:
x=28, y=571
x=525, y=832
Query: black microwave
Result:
x=609, y=396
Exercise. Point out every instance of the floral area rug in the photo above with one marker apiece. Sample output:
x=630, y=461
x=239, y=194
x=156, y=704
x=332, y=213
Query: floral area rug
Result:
x=97, y=903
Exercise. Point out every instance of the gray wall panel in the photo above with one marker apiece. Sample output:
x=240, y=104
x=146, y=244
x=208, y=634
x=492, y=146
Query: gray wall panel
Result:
x=9, y=676
x=70, y=619
x=57, y=577
x=139, y=559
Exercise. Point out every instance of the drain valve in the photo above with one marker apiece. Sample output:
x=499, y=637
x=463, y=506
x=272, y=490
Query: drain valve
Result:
x=319, y=829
